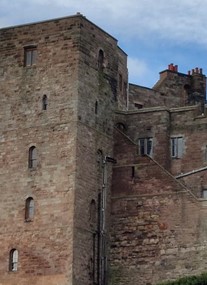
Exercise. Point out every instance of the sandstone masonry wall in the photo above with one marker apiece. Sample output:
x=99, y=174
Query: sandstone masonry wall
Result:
x=45, y=245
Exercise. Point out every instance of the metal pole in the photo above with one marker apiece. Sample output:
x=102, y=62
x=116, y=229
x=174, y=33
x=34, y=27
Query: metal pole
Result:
x=103, y=233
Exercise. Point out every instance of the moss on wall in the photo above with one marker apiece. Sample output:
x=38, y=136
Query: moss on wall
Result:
x=191, y=280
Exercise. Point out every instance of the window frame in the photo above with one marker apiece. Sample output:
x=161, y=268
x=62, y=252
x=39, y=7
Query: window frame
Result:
x=145, y=146
x=13, y=260
x=204, y=194
x=29, y=209
x=176, y=146
x=30, y=56
x=32, y=159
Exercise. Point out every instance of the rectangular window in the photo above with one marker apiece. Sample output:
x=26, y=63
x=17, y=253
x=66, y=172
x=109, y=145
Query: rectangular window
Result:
x=30, y=56
x=138, y=105
x=204, y=194
x=177, y=147
x=145, y=146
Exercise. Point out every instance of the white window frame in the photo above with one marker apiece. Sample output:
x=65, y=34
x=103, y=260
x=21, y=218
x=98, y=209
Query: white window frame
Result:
x=13, y=260
x=204, y=194
x=176, y=146
x=29, y=209
x=145, y=146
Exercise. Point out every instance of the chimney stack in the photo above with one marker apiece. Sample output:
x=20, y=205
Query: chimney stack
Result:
x=173, y=67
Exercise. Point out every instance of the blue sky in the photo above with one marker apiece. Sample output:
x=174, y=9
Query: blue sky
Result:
x=154, y=33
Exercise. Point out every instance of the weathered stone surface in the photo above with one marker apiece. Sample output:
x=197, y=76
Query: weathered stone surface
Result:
x=158, y=220
x=56, y=247
x=147, y=218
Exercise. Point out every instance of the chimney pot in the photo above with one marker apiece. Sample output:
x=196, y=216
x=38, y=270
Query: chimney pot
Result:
x=171, y=67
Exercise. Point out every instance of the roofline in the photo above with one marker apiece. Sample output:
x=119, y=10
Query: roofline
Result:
x=78, y=15
x=158, y=109
x=122, y=50
x=179, y=73
x=39, y=22
x=141, y=86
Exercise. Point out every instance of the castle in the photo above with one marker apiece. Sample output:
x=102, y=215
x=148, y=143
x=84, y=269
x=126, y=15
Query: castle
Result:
x=102, y=182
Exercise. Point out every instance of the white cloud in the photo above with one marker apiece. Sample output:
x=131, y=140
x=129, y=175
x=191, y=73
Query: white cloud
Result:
x=179, y=20
x=155, y=22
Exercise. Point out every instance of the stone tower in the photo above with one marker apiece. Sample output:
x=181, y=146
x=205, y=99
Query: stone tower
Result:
x=67, y=116
x=59, y=83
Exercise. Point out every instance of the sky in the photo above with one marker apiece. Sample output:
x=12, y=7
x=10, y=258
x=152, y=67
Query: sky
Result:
x=153, y=33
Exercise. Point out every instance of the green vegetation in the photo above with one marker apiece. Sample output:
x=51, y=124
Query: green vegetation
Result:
x=114, y=275
x=191, y=280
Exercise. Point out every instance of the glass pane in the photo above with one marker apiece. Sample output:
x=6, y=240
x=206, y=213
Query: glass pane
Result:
x=15, y=256
x=205, y=194
x=149, y=146
x=31, y=209
x=14, y=260
x=34, y=56
x=28, y=58
x=180, y=147
x=34, y=153
x=14, y=266
x=34, y=163
x=141, y=146
x=174, y=147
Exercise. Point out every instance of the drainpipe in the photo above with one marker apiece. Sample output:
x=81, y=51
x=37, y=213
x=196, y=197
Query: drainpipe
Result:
x=102, y=241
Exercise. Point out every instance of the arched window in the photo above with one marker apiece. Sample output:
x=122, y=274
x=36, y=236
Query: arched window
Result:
x=121, y=126
x=44, y=102
x=13, y=260
x=32, y=157
x=29, y=209
x=100, y=60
